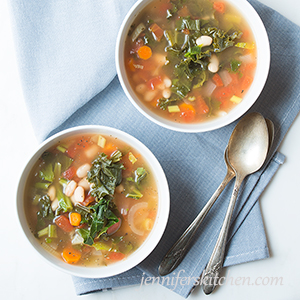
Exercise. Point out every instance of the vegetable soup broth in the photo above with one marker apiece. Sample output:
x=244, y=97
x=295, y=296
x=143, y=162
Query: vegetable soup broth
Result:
x=68, y=223
x=201, y=61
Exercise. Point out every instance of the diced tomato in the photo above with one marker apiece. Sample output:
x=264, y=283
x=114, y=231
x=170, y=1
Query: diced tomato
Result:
x=115, y=256
x=202, y=106
x=157, y=31
x=246, y=82
x=88, y=200
x=162, y=11
x=70, y=173
x=188, y=116
x=235, y=78
x=154, y=82
x=63, y=223
x=223, y=93
x=83, y=143
x=184, y=12
x=217, y=80
x=219, y=7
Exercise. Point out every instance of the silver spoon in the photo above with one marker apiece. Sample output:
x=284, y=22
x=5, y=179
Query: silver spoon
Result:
x=247, y=151
x=176, y=254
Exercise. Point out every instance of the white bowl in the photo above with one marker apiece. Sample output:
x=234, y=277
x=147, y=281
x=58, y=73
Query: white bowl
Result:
x=261, y=74
x=154, y=236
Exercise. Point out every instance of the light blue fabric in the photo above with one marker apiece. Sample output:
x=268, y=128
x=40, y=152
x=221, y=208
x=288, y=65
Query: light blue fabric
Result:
x=66, y=58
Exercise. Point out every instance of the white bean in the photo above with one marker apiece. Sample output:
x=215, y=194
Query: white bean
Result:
x=92, y=151
x=79, y=194
x=141, y=88
x=204, y=40
x=120, y=188
x=166, y=93
x=70, y=188
x=51, y=192
x=214, y=64
x=149, y=96
x=85, y=184
x=167, y=82
x=160, y=59
x=54, y=204
x=83, y=170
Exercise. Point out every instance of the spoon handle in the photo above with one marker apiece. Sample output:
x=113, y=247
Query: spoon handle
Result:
x=176, y=254
x=214, y=266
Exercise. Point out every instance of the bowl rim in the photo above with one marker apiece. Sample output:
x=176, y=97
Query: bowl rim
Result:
x=260, y=78
x=154, y=236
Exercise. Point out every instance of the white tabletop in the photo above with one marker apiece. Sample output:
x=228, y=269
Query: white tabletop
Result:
x=24, y=275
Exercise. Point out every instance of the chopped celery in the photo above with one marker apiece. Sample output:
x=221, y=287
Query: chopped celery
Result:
x=235, y=99
x=42, y=185
x=36, y=199
x=245, y=45
x=134, y=193
x=61, y=148
x=43, y=232
x=64, y=201
x=101, y=141
x=46, y=173
x=232, y=18
x=57, y=170
x=63, y=182
x=52, y=231
x=132, y=158
x=173, y=108
x=102, y=246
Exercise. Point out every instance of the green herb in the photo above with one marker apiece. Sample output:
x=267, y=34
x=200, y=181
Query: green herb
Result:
x=235, y=65
x=100, y=219
x=45, y=212
x=105, y=174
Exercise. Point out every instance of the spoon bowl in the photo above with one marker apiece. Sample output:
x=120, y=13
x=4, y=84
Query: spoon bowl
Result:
x=247, y=150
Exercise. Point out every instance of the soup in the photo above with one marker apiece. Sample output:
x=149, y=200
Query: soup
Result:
x=91, y=200
x=190, y=61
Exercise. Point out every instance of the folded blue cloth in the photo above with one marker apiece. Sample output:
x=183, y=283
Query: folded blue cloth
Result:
x=66, y=58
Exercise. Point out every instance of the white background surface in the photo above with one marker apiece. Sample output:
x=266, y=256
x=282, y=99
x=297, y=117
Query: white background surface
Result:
x=26, y=276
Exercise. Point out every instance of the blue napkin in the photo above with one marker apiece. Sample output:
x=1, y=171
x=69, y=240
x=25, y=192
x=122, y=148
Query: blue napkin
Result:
x=66, y=59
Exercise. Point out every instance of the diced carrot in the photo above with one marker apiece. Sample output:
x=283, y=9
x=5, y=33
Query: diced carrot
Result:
x=157, y=31
x=144, y=52
x=115, y=256
x=75, y=218
x=219, y=7
x=63, y=223
x=130, y=64
x=109, y=148
x=217, y=80
x=69, y=173
x=202, y=106
x=187, y=112
x=70, y=255
x=154, y=82
x=186, y=31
